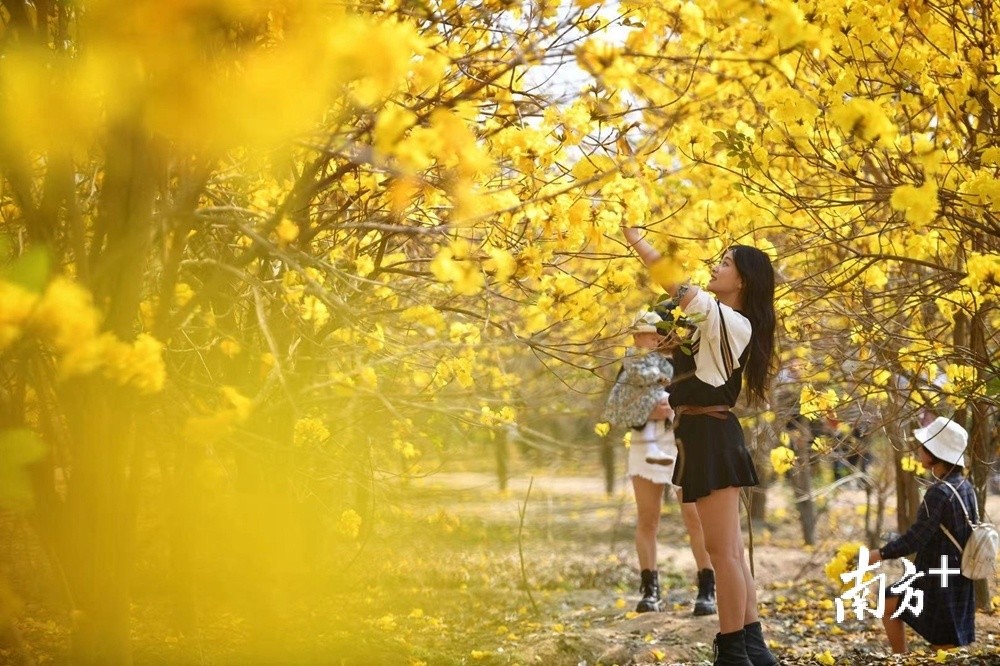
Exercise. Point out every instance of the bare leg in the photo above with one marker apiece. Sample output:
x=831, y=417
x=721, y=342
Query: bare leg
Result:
x=750, y=615
x=720, y=520
x=648, y=503
x=692, y=522
x=895, y=630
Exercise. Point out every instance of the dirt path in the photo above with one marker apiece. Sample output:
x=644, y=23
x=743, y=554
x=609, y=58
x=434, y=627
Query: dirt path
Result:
x=596, y=625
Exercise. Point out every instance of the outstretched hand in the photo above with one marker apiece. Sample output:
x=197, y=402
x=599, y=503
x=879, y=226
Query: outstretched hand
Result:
x=632, y=235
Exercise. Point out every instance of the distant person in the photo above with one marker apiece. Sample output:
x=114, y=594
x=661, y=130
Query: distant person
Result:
x=734, y=336
x=639, y=401
x=949, y=613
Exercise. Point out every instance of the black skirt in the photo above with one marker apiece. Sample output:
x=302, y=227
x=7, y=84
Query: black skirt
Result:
x=712, y=455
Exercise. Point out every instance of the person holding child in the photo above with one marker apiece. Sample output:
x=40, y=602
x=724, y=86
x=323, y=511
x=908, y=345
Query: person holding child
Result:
x=947, y=618
x=733, y=336
x=639, y=401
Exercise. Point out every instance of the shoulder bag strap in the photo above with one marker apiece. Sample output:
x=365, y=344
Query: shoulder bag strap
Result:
x=960, y=502
x=727, y=349
x=944, y=529
x=951, y=537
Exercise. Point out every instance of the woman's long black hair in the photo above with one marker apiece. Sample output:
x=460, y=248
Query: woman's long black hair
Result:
x=757, y=296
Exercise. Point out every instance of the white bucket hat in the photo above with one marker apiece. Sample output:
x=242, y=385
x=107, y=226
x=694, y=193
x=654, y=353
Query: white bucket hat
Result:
x=646, y=323
x=945, y=439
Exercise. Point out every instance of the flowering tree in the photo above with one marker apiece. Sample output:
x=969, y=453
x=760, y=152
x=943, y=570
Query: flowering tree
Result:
x=248, y=266
x=858, y=140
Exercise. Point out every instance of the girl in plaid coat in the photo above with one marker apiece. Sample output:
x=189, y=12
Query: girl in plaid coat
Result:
x=947, y=617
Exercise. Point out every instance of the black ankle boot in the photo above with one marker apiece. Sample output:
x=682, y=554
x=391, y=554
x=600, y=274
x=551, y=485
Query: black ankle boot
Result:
x=757, y=650
x=649, y=588
x=704, y=603
x=731, y=649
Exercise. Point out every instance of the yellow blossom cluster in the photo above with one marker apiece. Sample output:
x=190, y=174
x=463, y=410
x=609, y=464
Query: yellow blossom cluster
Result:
x=500, y=417
x=909, y=463
x=310, y=431
x=349, y=524
x=919, y=204
x=817, y=404
x=782, y=459
x=983, y=274
x=454, y=265
x=63, y=320
x=843, y=561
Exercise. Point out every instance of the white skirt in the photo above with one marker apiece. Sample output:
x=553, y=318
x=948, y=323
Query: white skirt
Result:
x=637, y=465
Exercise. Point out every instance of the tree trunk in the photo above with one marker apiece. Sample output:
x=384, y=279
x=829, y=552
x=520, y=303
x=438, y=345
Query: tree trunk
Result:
x=980, y=452
x=608, y=464
x=501, y=448
x=101, y=521
x=102, y=418
x=760, y=448
x=907, y=494
x=801, y=477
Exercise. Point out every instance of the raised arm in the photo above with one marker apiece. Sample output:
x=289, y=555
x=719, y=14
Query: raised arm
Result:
x=654, y=260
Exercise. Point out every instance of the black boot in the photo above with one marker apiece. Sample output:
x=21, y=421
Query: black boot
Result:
x=649, y=588
x=731, y=649
x=756, y=647
x=704, y=603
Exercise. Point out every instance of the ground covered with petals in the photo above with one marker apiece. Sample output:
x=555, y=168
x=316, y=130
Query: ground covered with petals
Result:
x=452, y=575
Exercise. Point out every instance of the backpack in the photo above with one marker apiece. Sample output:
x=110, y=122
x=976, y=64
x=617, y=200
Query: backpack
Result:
x=979, y=556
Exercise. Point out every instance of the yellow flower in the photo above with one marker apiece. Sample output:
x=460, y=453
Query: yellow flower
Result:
x=911, y=464
x=66, y=316
x=983, y=273
x=147, y=369
x=454, y=266
x=406, y=449
x=17, y=306
x=309, y=432
x=349, y=524
x=230, y=348
x=844, y=559
x=918, y=204
x=866, y=119
x=314, y=310
x=501, y=262
x=602, y=429
x=182, y=294
x=814, y=404
x=425, y=315
x=782, y=459
x=461, y=333
x=822, y=444
x=825, y=658
x=286, y=231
